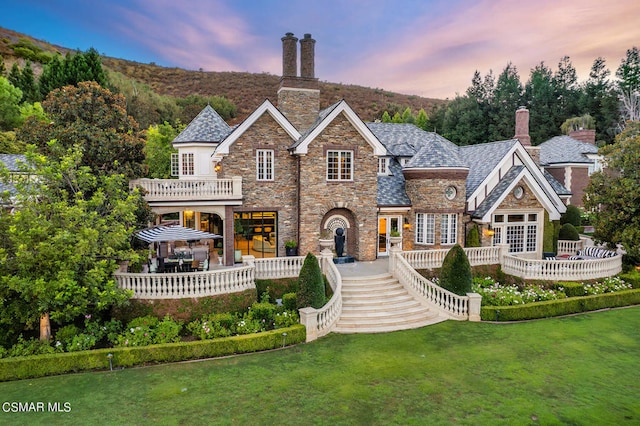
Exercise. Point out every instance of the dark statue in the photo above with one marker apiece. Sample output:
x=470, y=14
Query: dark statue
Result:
x=339, y=241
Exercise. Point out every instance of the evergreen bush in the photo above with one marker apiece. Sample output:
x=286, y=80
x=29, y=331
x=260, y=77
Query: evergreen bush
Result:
x=568, y=232
x=289, y=301
x=311, y=284
x=455, y=274
x=573, y=215
x=473, y=237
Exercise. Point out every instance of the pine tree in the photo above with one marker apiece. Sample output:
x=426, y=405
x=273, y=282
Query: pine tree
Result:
x=386, y=118
x=422, y=119
x=407, y=116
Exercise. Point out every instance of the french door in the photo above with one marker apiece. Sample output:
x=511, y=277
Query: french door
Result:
x=386, y=224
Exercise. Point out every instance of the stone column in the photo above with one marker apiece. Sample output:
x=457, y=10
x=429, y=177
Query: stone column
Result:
x=475, y=301
x=308, y=318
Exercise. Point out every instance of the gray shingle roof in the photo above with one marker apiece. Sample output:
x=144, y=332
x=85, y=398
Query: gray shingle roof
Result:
x=391, y=189
x=557, y=186
x=426, y=149
x=497, y=191
x=482, y=159
x=207, y=126
x=565, y=149
x=11, y=162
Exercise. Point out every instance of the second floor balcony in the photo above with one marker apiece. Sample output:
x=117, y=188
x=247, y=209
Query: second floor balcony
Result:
x=204, y=189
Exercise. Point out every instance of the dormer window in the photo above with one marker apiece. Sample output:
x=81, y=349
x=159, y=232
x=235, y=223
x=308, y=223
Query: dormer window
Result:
x=383, y=166
x=339, y=165
x=264, y=164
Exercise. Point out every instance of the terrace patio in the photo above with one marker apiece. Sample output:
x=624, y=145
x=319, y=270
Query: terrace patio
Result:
x=402, y=266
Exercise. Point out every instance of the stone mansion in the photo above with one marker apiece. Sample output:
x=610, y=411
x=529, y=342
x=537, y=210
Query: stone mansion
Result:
x=294, y=172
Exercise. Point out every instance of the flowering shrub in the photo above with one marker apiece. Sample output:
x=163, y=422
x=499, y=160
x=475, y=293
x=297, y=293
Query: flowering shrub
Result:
x=286, y=319
x=495, y=294
x=212, y=326
x=609, y=285
x=149, y=330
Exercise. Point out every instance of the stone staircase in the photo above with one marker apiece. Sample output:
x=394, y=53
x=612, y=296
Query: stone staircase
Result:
x=379, y=303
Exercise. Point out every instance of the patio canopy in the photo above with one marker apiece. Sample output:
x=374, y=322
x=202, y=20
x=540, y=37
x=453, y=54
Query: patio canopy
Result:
x=157, y=234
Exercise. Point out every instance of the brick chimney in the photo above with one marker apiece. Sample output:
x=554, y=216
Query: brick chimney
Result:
x=584, y=135
x=299, y=96
x=522, y=126
x=522, y=134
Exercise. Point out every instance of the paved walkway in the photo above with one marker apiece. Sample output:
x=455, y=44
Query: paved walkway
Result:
x=364, y=269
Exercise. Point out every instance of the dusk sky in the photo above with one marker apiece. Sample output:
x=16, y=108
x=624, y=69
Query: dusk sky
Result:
x=428, y=48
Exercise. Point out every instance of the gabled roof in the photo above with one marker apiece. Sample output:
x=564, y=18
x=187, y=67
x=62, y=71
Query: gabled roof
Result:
x=325, y=117
x=207, y=127
x=565, y=149
x=498, y=192
x=482, y=159
x=391, y=188
x=266, y=107
x=428, y=150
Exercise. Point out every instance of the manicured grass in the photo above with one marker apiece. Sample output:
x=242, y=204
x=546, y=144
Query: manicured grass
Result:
x=575, y=370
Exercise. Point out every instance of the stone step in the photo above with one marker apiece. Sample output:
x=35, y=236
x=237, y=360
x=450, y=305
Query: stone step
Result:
x=363, y=328
x=363, y=306
x=367, y=278
x=374, y=295
x=360, y=314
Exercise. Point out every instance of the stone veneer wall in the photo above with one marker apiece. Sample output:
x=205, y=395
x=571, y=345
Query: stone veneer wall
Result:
x=300, y=106
x=278, y=195
x=317, y=196
x=427, y=196
x=528, y=200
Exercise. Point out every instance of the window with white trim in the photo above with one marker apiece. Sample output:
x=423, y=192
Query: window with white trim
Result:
x=188, y=164
x=175, y=164
x=448, y=228
x=425, y=228
x=518, y=230
x=383, y=166
x=264, y=164
x=339, y=165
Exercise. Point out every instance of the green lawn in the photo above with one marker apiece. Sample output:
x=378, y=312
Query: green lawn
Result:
x=580, y=370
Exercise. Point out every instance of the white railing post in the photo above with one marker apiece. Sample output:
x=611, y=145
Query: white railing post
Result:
x=249, y=260
x=309, y=318
x=475, y=301
x=326, y=256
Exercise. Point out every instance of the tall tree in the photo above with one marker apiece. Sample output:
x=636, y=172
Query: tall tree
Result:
x=543, y=105
x=61, y=247
x=10, y=97
x=422, y=119
x=52, y=76
x=464, y=122
x=28, y=85
x=566, y=85
x=506, y=99
x=628, y=74
x=614, y=193
x=94, y=118
x=599, y=100
x=158, y=149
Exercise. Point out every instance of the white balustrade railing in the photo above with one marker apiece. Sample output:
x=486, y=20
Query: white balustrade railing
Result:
x=452, y=305
x=428, y=259
x=187, y=284
x=190, y=189
x=278, y=267
x=570, y=247
x=562, y=270
x=319, y=322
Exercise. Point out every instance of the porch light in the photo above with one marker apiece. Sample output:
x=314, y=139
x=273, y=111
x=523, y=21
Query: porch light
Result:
x=217, y=167
x=489, y=232
x=406, y=224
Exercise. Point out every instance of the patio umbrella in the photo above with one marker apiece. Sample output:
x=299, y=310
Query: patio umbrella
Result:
x=158, y=234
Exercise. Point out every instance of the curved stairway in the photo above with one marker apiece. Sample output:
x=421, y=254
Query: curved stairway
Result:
x=379, y=303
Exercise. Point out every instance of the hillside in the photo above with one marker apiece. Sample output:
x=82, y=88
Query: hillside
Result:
x=245, y=90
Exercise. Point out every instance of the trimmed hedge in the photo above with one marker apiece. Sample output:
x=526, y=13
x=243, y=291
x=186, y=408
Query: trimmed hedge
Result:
x=52, y=364
x=571, y=289
x=554, y=308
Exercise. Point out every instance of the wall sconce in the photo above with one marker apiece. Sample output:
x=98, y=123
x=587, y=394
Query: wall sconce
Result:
x=217, y=167
x=406, y=224
x=489, y=232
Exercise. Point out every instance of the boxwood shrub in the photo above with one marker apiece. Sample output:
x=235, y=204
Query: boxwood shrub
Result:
x=571, y=289
x=52, y=364
x=554, y=308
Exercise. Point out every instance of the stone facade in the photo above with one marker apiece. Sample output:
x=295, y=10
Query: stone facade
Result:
x=279, y=195
x=300, y=106
x=527, y=202
x=427, y=194
x=318, y=197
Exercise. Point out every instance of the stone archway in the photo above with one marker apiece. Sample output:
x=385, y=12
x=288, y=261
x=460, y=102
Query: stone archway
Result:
x=342, y=218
